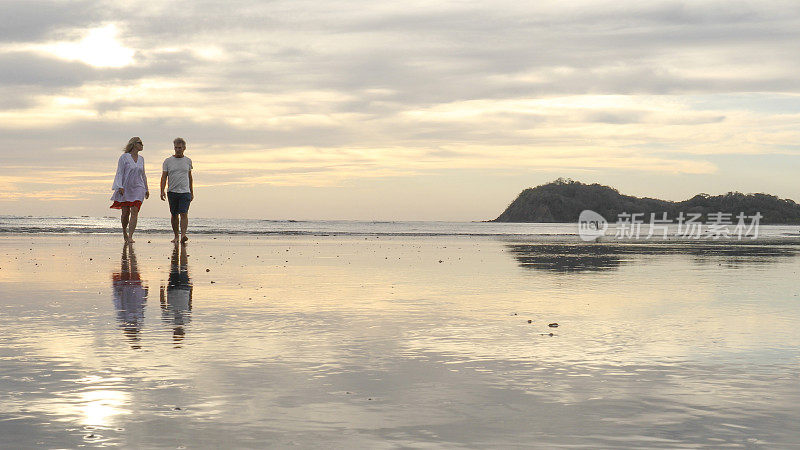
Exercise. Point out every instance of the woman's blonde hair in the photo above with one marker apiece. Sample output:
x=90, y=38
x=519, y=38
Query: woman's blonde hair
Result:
x=131, y=142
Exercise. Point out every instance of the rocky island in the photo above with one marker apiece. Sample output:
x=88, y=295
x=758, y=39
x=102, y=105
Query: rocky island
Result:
x=563, y=200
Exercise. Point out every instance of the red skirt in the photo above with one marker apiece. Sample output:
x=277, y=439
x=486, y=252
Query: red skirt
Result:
x=119, y=205
x=126, y=276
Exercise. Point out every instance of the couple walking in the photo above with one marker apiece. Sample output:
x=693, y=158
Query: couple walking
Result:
x=130, y=187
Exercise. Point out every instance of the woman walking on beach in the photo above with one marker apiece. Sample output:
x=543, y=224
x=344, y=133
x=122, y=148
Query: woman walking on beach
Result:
x=130, y=186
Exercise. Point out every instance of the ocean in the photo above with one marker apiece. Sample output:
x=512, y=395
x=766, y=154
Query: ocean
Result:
x=210, y=226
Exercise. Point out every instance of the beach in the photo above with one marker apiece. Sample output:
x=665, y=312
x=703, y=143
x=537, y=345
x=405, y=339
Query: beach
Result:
x=386, y=341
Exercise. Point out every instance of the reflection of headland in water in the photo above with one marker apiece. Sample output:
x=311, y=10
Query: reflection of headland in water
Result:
x=602, y=257
x=130, y=296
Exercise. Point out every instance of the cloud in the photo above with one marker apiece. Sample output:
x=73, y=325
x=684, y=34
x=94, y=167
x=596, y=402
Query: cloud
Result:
x=33, y=20
x=99, y=47
x=318, y=93
x=25, y=68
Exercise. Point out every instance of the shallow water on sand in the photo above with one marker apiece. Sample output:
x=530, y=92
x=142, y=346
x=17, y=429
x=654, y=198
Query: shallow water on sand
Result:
x=396, y=341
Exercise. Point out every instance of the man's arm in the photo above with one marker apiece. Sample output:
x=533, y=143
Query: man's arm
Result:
x=163, y=184
x=191, y=184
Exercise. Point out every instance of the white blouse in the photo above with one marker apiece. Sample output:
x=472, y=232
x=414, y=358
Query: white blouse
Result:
x=130, y=297
x=130, y=175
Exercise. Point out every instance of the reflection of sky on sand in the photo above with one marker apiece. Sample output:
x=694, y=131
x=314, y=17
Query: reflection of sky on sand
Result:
x=374, y=342
x=98, y=402
x=99, y=407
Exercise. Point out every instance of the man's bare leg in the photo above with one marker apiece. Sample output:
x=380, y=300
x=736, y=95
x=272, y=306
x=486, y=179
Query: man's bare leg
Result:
x=126, y=212
x=175, y=227
x=132, y=224
x=184, y=226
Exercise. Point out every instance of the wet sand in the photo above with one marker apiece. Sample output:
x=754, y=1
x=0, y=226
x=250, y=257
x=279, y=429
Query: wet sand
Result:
x=381, y=342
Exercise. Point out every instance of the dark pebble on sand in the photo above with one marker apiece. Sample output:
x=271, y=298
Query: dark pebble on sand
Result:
x=440, y=260
x=208, y=270
x=530, y=321
x=551, y=334
x=177, y=408
x=212, y=282
x=553, y=325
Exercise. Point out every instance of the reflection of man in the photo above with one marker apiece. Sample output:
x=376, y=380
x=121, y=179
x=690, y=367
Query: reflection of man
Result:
x=176, y=299
x=130, y=296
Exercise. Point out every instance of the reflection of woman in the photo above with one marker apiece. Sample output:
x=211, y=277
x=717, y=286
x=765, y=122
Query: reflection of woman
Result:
x=176, y=299
x=130, y=296
x=130, y=186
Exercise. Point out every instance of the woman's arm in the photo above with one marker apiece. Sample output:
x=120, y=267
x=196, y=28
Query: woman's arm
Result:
x=119, y=178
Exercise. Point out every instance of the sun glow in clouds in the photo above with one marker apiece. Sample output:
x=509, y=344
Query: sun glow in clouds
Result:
x=98, y=48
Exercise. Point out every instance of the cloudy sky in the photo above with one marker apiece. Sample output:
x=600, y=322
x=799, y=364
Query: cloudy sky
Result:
x=396, y=110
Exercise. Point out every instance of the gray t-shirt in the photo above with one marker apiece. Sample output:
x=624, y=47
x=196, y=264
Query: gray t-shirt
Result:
x=178, y=173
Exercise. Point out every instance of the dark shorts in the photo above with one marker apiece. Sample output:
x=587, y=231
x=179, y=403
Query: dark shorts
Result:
x=179, y=279
x=179, y=202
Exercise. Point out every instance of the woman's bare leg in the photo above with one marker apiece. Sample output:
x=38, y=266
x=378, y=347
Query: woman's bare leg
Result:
x=126, y=212
x=132, y=224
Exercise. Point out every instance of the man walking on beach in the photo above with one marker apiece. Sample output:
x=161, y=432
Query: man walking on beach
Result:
x=178, y=169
